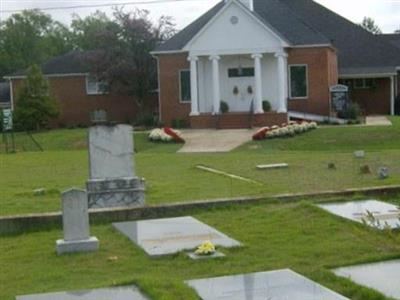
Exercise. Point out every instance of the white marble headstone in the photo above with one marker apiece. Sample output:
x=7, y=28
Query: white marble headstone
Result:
x=110, y=151
x=76, y=224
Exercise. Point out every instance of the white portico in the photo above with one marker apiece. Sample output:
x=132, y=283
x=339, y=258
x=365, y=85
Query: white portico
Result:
x=238, y=59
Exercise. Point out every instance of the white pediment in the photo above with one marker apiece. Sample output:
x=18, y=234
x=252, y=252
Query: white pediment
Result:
x=235, y=30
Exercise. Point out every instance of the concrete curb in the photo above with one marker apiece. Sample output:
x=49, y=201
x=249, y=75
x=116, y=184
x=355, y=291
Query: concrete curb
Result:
x=34, y=222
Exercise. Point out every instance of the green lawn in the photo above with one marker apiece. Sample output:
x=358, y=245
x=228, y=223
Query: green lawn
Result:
x=173, y=177
x=275, y=236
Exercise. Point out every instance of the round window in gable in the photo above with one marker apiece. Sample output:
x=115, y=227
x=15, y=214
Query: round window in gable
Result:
x=234, y=20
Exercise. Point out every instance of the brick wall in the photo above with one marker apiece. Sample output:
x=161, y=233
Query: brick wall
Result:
x=322, y=73
x=76, y=105
x=374, y=100
x=170, y=105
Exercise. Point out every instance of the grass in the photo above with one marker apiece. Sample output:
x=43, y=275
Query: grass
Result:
x=298, y=236
x=173, y=177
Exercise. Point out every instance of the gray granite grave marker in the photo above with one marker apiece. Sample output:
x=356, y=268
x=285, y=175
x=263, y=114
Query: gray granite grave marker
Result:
x=114, y=293
x=383, y=276
x=359, y=154
x=383, y=173
x=76, y=224
x=280, y=284
x=384, y=213
x=113, y=182
x=168, y=236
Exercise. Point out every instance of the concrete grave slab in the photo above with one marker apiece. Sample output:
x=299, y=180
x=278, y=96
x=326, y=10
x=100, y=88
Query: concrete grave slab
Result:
x=383, y=212
x=280, y=284
x=114, y=293
x=168, y=236
x=383, y=277
x=273, y=166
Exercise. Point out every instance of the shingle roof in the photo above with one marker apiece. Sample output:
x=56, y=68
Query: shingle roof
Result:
x=393, y=38
x=74, y=62
x=4, y=92
x=305, y=22
x=357, y=48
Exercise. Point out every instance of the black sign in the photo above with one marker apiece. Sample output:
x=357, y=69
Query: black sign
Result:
x=339, y=97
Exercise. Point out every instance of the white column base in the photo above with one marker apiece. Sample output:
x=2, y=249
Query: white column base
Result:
x=193, y=114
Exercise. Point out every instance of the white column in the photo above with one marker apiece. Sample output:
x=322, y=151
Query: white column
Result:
x=392, y=96
x=258, y=109
x=216, y=89
x=194, y=92
x=282, y=78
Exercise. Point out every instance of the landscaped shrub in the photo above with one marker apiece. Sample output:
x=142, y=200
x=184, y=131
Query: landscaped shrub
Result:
x=1, y=120
x=224, y=107
x=178, y=123
x=166, y=135
x=286, y=130
x=146, y=120
x=266, y=106
x=352, y=112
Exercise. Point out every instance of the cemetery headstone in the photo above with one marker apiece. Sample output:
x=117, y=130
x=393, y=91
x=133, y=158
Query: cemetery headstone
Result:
x=168, y=236
x=76, y=224
x=113, y=181
x=383, y=173
x=359, y=154
x=280, y=284
x=114, y=293
x=339, y=98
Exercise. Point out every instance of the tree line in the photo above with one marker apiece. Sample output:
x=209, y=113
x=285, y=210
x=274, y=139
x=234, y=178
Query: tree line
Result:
x=118, y=50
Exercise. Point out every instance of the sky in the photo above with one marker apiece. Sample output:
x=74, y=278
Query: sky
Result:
x=386, y=13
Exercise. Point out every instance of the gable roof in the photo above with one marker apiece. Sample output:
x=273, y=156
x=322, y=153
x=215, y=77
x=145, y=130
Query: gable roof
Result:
x=74, y=62
x=359, y=51
x=4, y=93
x=392, y=38
x=307, y=23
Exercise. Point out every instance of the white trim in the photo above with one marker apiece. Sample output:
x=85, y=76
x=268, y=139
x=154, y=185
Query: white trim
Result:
x=392, y=96
x=243, y=51
x=290, y=82
x=11, y=95
x=284, y=42
x=159, y=88
x=167, y=52
x=312, y=46
x=48, y=75
x=361, y=76
x=180, y=87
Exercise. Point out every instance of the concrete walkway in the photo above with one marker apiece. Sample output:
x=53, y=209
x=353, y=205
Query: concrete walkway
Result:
x=377, y=121
x=211, y=140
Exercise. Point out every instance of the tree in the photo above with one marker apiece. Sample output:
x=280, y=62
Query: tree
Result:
x=35, y=107
x=30, y=37
x=87, y=31
x=123, y=58
x=370, y=25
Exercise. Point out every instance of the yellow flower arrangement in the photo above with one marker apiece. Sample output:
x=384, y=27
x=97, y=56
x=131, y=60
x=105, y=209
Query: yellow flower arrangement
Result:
x=207, y=248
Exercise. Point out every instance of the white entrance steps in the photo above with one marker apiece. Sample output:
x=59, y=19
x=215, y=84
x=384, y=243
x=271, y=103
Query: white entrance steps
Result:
x=315, y=117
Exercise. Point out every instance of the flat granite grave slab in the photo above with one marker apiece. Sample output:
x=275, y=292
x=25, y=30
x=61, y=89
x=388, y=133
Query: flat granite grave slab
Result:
x=383, y=212
x=114, y=293
x=276, y=285
x=168, y=236
x=383, y=277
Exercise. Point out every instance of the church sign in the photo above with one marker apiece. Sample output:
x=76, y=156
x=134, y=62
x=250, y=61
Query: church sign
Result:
x=339, y=97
